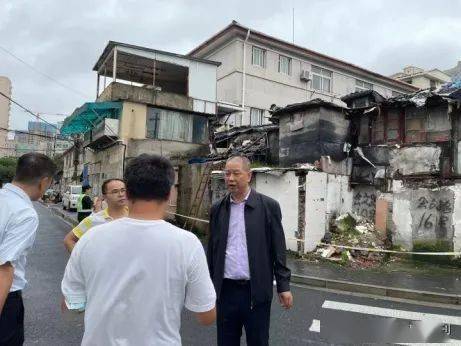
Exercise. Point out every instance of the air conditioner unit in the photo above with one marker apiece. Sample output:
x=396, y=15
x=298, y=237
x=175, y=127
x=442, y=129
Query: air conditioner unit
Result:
x=305, y=76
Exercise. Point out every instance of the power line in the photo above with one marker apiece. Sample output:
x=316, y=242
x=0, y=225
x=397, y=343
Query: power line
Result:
x=28, y=110
x=36, y=134
x=42, y=74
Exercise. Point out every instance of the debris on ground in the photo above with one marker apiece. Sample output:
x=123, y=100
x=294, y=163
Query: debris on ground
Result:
x=353, y=231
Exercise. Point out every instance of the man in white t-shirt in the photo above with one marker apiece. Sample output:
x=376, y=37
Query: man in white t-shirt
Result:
x=134, y=275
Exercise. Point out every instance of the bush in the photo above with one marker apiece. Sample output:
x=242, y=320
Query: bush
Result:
x=7, y=169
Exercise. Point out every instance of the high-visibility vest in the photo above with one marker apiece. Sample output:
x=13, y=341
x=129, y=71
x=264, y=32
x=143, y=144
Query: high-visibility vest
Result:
x=79, y=205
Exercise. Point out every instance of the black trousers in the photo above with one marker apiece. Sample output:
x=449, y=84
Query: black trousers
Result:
x=12, y=321
x=234, y=311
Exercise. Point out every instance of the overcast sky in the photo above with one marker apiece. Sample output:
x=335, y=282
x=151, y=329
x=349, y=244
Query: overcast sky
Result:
x=63, y=39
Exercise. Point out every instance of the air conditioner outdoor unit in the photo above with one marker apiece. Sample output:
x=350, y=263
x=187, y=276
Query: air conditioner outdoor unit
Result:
x=305, y=76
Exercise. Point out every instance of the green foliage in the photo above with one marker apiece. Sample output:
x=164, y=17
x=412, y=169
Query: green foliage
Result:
x=344, y=258
x=347, y=225
x=7, y=169
x=432, y=246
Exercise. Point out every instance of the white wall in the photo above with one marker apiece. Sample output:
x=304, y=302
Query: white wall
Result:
x=456, y=219
x=202, y=81
x=316, y=209
x=401, y=217
x=284, y=189
x=339, y=195
x=202, y=76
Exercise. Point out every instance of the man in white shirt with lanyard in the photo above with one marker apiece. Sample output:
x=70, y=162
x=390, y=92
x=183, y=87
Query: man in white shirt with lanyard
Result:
x=18, y=225
x=134, y=275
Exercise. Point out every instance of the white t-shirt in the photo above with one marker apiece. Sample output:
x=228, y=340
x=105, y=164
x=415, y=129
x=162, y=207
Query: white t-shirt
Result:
x=134, y=277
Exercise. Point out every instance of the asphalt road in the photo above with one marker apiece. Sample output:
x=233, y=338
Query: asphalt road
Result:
x=45, y=324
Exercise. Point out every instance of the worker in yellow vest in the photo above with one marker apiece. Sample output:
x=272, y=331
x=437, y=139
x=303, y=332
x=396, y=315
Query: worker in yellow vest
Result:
x=84, y=203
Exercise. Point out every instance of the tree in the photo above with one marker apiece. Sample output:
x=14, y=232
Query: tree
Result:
x=7, y=169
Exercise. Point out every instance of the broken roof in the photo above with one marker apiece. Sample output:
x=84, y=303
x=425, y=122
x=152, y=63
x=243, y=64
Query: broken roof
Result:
x=358, y=94
x=236, y=131
x=237, y=29
x=306, y=105
x=448, y=91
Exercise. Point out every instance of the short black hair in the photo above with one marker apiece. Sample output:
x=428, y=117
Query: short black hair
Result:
x=85, y=188
x=149, y=177
x=106, y=182
x=32, y=167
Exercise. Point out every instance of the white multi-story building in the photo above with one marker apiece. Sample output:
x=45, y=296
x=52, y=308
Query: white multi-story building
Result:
x=258, y=70
x=421, y=78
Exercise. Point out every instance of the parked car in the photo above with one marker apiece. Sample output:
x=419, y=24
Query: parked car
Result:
x=70, y=197
x=48, y=195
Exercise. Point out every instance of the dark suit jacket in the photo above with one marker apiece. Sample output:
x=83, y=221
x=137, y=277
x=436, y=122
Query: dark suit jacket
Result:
x=265, y=243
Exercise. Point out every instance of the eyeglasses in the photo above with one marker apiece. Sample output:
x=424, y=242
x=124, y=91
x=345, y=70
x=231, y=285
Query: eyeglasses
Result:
x=115, y=192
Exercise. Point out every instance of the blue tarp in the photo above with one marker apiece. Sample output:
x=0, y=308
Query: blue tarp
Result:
x=88, y=115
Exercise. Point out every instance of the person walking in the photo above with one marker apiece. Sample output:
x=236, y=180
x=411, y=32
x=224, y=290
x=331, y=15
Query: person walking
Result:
x=246, y=249
x=84, y=203
x=134, y=275
x=114, y=192
x=18, y=226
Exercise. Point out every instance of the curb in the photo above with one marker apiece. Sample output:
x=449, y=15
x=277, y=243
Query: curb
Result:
x=63, y=216
x=390, y=292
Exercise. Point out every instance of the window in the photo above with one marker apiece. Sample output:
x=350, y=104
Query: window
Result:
x=321, y=79
x=361, y=85
x=284, y=64
x=433, y=84
x=258, y=57
x=176, y=126
x=256, y=116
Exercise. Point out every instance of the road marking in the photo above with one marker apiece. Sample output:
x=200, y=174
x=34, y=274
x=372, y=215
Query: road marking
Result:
x=315, y=326
x=390, y=313
x=377, y=297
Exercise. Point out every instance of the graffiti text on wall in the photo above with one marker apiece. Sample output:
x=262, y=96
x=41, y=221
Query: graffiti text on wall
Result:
x=433, y=215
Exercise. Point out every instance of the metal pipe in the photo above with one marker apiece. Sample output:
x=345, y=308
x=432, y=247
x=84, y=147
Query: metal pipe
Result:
x=244, y=73
x=114, y=71
x=97, y=86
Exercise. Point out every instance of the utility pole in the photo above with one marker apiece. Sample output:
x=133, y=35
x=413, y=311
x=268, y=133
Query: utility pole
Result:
x=76, y=158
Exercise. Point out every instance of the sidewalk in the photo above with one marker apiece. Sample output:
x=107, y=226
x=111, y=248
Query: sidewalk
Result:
x=68, y=216
x=404, y=279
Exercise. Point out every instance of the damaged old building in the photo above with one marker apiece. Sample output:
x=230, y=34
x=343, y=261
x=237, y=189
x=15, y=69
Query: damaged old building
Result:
x=395, y=162
x=406, y=169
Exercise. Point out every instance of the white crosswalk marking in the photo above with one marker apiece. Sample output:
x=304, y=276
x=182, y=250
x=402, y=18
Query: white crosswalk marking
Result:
x=315, y=326
x=356, y=323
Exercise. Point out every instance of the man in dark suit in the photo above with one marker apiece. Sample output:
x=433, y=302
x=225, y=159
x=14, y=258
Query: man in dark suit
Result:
x=246, y=249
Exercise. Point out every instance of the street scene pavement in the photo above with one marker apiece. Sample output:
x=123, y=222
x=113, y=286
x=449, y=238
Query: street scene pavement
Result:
x=46, y=325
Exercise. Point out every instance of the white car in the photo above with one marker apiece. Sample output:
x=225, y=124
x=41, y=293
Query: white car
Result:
x=70, y=197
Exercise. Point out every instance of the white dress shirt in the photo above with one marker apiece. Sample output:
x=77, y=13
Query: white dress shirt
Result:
x=133, y=278
x=18, y=226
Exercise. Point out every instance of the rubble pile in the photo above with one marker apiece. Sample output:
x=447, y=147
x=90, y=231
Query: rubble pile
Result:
x=353, y=231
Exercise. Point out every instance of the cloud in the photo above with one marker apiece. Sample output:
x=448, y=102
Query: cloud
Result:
x=64, y=38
